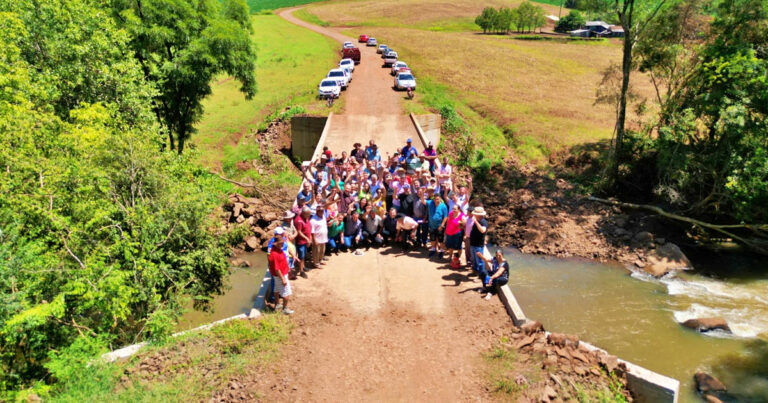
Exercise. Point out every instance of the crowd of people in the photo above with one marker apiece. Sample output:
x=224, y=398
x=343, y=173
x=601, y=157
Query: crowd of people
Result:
x=363, y=199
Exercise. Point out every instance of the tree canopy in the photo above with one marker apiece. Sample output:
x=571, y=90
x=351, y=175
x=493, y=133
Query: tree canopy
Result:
x=181, y=45
x=524, y=18
x=574, y=20
x=101, y=234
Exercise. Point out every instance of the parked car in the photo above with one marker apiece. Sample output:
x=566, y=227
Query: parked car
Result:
x=329, y=88
x=347, y=62
x=404, y=81
x=341, y=76
x=402, y=70
x=387, y=50
x=348, y=45
x=351, y=53
x=363, y=38
x=382, y=49
x=371, y=42
x=390, y=58
x=397, y=66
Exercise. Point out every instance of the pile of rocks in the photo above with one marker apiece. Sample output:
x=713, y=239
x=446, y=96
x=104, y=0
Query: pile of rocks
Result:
x=567, y=361
x=261, y=218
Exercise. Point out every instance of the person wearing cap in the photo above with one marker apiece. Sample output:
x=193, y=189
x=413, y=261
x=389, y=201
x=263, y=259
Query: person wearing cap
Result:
x=431, y=156
x=288, y=249
x=319, y=224
x=477, y=240
x=437, y=213
x=372, y=152
x=408, y=152
x=303, y=237
x=278, y=268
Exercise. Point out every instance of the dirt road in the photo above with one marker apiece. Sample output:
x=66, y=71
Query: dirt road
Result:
x=373, y=110
x=385, y=326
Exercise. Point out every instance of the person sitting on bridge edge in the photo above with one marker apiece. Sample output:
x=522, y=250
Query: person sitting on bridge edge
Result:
x=278, y=268
x=497, y=273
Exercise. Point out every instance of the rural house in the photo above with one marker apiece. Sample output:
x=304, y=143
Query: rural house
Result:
x=598, y=29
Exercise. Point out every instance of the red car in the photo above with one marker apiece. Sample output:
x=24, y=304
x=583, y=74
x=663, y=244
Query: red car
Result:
x=351, y=53
x=363, y=38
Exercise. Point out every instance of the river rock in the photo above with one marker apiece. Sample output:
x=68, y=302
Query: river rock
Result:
x=643, y=238
x=240, y=219
x=269, y=216
x=532, y=327
x=241, y=263
x=252, y=243
x=610, y=362
x=707, y=324
x=557, y=339
x=237, y=209
x=249, y=211
x=260, y=233
x=706, y=383
x=666, y=258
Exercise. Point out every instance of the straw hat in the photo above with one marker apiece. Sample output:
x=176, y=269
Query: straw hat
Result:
x=478, y=211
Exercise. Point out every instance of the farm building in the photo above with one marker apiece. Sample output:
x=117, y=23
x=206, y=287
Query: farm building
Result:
x=598, y=29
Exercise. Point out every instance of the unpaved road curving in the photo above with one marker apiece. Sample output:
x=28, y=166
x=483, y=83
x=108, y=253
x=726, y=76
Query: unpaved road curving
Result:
x=373, y=110
x=385, y=326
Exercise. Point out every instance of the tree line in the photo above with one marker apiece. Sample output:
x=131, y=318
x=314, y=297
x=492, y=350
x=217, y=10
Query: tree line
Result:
x=525, y=18
x=103, y=235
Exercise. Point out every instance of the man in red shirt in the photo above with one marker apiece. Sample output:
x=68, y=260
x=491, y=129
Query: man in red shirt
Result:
x=278, y=268
x=303, y=237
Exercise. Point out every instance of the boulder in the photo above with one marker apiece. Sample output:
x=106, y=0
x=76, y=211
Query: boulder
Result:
x=609, y=362
x=240, y=219
x=557, y=339
x=707, y=324
x=237, y=209
x=241, y=263
x=252, y=243
x=260, y=233
x=532, y=327
x=706, y=383
x=643, y=238
x=249, y=211
x=666, y=258
x=269, y=216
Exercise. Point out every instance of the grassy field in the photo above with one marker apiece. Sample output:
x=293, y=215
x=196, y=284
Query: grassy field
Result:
x=192, y=367
x=531, y=96
x=261, y=5
x=291, y=61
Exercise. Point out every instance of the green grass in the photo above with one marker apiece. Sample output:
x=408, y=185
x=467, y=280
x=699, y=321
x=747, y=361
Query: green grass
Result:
x=306, y=16
x=231, y=350
x=257, y=6
x=291, y=61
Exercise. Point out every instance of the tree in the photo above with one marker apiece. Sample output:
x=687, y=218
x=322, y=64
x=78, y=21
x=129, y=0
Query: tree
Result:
x=503, y=20
x=181, y=46
x=486, y=19
x=528, y=17
x=101, y=236
x=574, y=20
x=634, y=17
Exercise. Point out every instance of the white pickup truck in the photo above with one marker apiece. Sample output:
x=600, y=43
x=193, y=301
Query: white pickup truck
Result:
x=390, y=58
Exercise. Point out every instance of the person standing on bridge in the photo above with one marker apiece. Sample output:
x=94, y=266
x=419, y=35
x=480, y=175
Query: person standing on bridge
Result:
x=319, y=223
x=408, y=152
x=278, y=268
x=303, y=237
x=430, y=155
x=477, y=240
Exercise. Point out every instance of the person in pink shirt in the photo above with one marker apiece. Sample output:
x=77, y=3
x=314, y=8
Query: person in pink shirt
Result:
x=453, y=230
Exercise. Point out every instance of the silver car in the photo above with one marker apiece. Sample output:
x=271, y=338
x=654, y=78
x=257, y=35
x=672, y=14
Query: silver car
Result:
x=404, y=81
x=371, y=42
x=390, y=58
x=329, y=88
x=382, y=49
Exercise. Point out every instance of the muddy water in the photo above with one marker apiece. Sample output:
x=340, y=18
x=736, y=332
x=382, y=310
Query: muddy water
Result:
x=636, y=318
x=243, y=287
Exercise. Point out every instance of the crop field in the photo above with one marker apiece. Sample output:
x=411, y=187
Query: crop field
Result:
x=533, y=96
x=291, y=61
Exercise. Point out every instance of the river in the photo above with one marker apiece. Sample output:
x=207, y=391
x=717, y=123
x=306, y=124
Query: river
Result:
x=632, y=316
x=636, y=318
x=243, y=287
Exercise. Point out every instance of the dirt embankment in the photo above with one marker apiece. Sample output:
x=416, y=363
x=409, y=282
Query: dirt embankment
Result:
x=542, y=215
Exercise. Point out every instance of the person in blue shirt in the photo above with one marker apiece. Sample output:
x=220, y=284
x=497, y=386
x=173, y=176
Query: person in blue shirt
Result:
x=408, y=152
x=372, y=152
x=437, y=213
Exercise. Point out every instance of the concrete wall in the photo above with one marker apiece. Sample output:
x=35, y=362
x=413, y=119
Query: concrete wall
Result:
x=430, y=124
x=305, y=133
